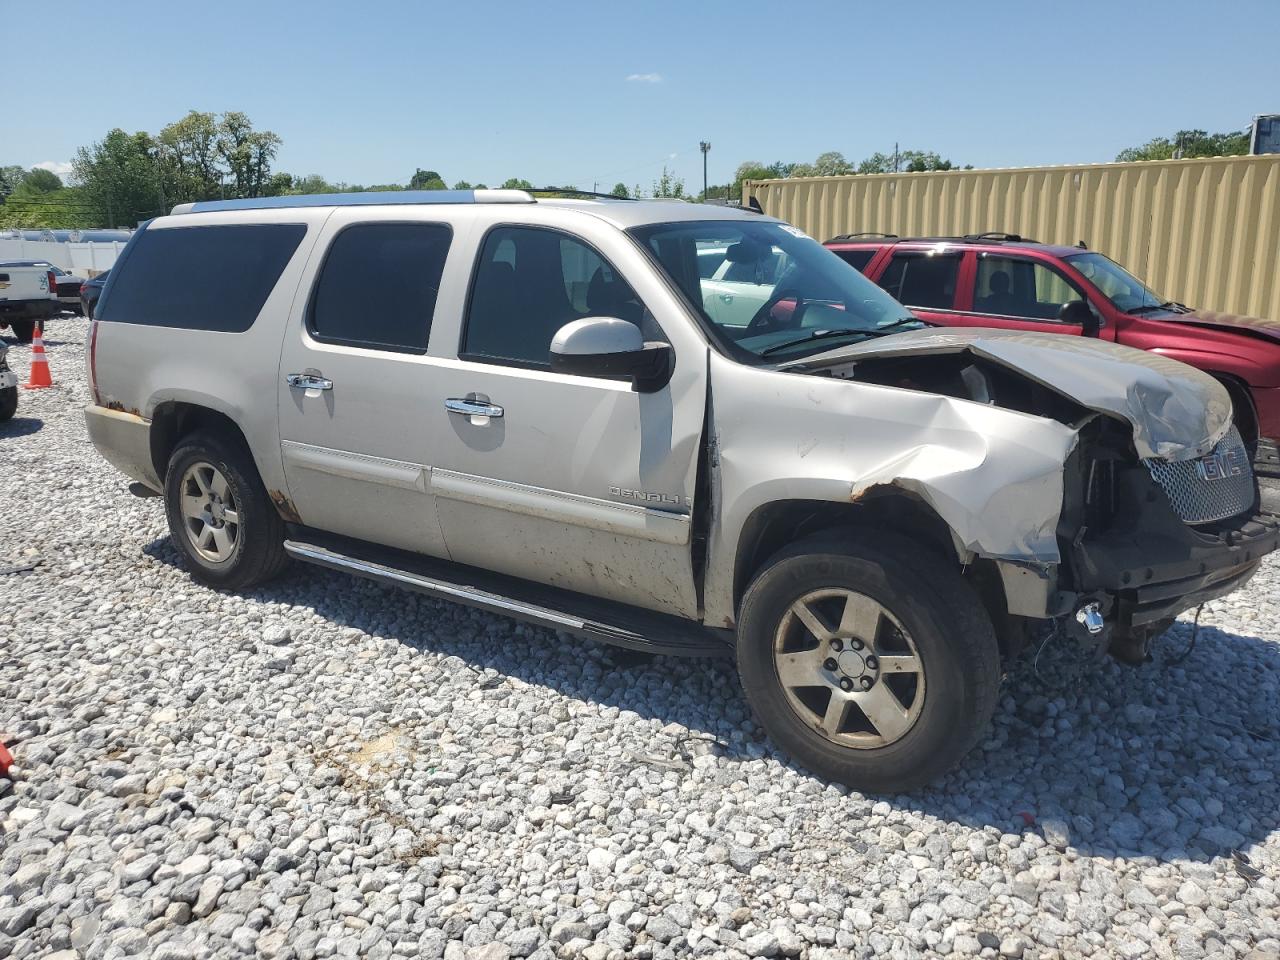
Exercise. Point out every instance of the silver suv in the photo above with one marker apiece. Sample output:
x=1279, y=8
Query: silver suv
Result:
x=528, y=406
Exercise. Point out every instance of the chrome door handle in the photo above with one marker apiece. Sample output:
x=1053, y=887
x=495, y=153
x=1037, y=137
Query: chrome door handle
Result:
x=472, y=408
x=726, y=298
x=308, y=381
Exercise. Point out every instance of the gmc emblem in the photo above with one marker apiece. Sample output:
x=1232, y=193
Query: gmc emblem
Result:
x=1219, y=466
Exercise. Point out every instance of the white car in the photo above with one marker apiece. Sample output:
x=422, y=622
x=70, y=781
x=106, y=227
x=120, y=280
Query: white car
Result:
x=552, y=414
x=28, y=293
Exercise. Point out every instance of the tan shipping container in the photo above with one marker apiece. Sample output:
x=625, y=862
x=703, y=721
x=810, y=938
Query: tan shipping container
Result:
x=1204, y=232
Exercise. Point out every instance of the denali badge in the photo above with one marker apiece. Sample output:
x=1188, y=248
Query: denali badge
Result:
x=1219, y=466
x=646, y=497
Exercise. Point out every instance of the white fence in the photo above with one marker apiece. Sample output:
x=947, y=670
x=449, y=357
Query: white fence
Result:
x=86, y=258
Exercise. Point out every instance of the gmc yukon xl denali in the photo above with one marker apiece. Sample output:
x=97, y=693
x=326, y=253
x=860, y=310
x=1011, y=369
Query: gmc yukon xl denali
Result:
x=554, y=413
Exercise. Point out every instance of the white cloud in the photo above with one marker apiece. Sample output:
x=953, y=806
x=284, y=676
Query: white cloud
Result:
x=60, y=167
x=644, y=78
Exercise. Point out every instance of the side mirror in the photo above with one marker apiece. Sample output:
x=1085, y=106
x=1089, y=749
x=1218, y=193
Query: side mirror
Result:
x=613, y=349
x=1078, y=312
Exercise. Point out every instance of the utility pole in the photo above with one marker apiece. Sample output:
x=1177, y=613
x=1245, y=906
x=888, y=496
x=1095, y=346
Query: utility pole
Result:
x=895, y=156
x=704, y=146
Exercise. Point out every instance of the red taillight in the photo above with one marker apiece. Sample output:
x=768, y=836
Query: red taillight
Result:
x=53, y=282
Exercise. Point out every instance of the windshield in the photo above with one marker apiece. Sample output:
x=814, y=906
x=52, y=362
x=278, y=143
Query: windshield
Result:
x=767, y=291
x=1125, y=291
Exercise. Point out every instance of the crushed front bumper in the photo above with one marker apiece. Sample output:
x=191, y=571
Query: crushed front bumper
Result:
x=1170, y=566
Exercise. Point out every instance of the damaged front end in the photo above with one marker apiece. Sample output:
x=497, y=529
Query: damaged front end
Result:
x=1157, y=509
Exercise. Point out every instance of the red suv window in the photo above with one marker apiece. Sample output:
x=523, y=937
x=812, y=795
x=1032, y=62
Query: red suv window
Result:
x=922, y=279
x=858, y=259
x=1013, y=287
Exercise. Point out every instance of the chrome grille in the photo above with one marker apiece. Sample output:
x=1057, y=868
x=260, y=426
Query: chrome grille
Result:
x=1211, y=488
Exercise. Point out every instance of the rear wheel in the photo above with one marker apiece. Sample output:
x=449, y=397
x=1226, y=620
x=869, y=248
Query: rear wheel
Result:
x=24, y=330
x=875, y=666
x=220, y=517
x=8, y=403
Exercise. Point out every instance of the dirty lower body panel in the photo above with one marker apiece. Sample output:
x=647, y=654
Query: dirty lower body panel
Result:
x=591, y=617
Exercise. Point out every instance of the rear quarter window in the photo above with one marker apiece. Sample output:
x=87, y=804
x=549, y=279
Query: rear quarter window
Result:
x=858, y=259
x=201, y=278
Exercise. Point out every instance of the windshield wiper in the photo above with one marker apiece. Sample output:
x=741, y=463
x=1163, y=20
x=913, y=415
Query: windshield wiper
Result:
x=901, y=321
x=1147, y=307
x=816, y=335
x=824, y=334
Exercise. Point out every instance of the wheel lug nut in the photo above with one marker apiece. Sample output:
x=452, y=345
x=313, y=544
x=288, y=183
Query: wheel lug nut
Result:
x=846, y=684
x=829, y=664
x=866, y=683
x=836, y=645
x=856, y=644
x=872, y=663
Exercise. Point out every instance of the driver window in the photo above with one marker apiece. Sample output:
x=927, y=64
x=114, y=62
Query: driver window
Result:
x=529, y=282
x=1010, y=287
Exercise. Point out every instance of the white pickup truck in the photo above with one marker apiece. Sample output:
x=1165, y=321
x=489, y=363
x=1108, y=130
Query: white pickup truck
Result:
x=28, y=293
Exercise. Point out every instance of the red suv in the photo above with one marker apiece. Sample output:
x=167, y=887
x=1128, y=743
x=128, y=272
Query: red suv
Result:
x=1003, y=280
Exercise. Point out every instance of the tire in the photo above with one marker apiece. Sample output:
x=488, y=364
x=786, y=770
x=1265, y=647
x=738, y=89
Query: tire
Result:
x=24, y=330
x=931, y=714
x=209, y=470
x=8, y=403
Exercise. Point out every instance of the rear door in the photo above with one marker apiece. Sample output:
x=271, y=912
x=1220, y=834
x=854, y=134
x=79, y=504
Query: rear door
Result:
x=924, y=280
x=1018, y=293
x=356, y=391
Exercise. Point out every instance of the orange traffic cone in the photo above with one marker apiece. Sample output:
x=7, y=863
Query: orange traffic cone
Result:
x=39, y=376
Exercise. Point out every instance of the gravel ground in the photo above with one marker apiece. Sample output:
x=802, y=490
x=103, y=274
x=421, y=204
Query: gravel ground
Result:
x=328, y=767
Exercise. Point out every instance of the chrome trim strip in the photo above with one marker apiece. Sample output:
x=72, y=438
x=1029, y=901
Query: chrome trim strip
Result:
x=627, y=519
x=355, y=466
x=377, y=571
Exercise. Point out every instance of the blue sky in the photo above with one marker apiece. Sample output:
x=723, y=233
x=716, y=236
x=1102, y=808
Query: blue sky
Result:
x=607, y=91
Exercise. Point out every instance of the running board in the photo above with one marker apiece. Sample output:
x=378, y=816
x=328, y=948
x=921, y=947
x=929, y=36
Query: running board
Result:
x=632, y=627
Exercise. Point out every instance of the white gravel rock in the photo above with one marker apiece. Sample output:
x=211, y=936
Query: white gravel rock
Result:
x=327, y=768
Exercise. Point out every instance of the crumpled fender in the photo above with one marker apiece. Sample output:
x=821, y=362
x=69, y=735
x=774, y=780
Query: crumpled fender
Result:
x=994, y=476
x=1177, y=412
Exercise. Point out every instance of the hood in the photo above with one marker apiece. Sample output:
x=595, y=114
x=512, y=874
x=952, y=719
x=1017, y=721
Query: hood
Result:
x=1176, y=412
x=1228, y=321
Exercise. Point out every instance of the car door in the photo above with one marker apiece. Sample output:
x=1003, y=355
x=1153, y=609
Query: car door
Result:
x=1018, y=293
x=355, y=393
x=924, y=280
x=572, y=481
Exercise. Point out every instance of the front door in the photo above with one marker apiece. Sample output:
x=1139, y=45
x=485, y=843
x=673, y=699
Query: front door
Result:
x=572, y=481
x=1019, y=293
x=356, y=394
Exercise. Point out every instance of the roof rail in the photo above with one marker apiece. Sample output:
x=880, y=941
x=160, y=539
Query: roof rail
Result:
x=997, y=235
x=575, y=192
x=363, y=199
x=865, y=233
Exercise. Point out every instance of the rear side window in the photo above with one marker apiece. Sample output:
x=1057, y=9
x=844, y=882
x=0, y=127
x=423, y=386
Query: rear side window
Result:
x=922, y=280
x=201, y=278
x=858, y=259
x=378, y=286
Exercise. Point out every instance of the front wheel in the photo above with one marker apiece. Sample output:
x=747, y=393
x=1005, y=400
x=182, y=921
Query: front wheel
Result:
x=874, y=666
x=220, y=517
x=8, y=403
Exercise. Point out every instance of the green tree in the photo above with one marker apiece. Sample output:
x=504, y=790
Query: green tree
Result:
x=1191, y=143
x=10, y=177
x=245, y=153
x=620, y=190
x=463, y=185
x=421, y=178
x=42, y=181
x=311, y=183
x=121, y=178
x=910, y=161
x=513, y=183
x=668, y=185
